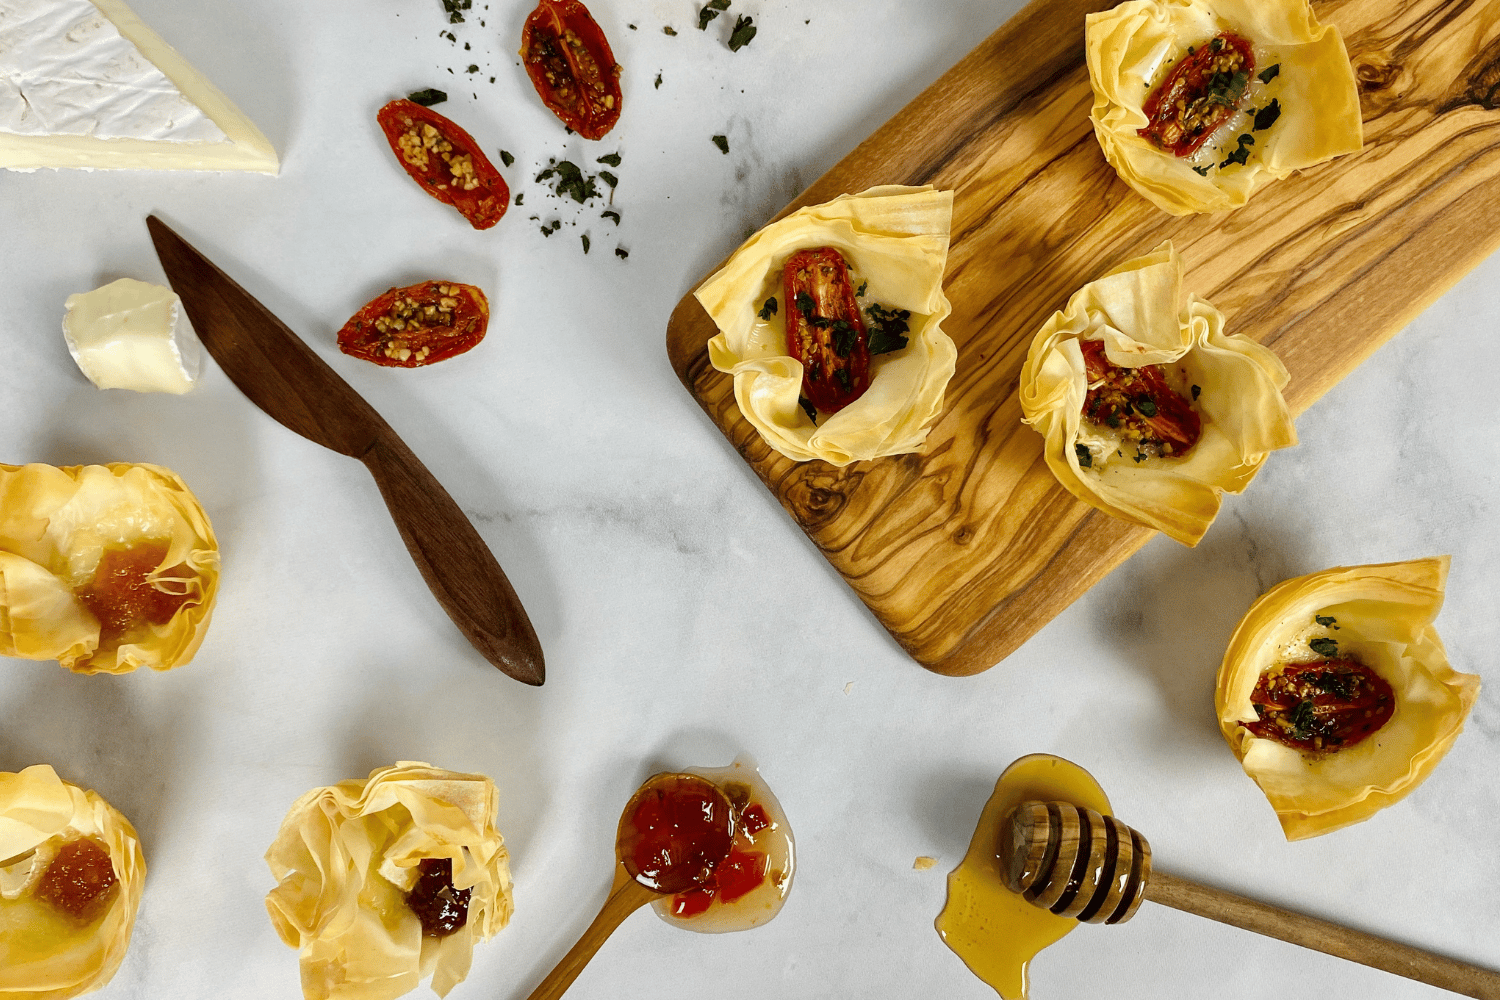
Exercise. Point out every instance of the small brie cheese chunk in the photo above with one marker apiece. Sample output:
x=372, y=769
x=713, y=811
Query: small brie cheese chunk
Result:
x=133, y=335
x=85, y=83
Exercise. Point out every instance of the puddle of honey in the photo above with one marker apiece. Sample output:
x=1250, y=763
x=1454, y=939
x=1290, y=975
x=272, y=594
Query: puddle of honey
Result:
x=995, y=931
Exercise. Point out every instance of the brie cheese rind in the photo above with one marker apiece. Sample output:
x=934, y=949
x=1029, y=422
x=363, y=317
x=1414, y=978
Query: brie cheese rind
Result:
x=55, y=525
x=347, y=855
x=44, y=954
x=1130, y=50
x=85, y=83
x=1384, y=615
x=894, y=238
x=1136, y=310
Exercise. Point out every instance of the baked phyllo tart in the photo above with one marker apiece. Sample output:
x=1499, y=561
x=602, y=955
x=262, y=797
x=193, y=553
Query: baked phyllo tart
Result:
x=1196, y=101
x=1150, y=412
x=385, y=881
x=71, y=875
x=830, y=321
x=104, y=568
x=1336, y=694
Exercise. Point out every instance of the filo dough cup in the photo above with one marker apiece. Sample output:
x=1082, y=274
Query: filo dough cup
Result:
x=1130, y=49
x=1137, y=310
x=55, y=524
x=1384, y=615
x=347, y=855
x=45, y=955
x=894, y=238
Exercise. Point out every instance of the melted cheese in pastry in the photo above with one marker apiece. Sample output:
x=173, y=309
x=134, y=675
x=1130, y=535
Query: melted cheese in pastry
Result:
x=1137, y=311
x=894, y=238
x=1132, y=47
x=345, y=858
x=44, y=954
x=1384, y=618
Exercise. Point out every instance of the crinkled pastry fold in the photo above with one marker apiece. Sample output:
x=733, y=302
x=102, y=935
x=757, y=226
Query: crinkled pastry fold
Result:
x=346, y=858
x=1132, y=47
x=58, y=527
x=1381, y=617
x=895, y=239
x=46, y=954
x=1234, y=383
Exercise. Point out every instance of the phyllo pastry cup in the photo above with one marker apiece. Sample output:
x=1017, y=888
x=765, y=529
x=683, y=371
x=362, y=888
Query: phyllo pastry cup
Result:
x=385, y=881
x=1379, y=617
x=71, y=876
x=895, y=241
x=1298, y=105
x=104, y=568
x=1231, y=383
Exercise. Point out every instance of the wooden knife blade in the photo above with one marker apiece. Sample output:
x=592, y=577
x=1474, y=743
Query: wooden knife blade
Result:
x=281, y=375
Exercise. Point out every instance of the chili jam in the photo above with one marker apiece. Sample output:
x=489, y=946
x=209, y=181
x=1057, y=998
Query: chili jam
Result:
x=743, y=871
x=1139, y=404
x=1198, y=95
x=441, y=908
x=681, y=830
x=80, y=880
x=1323, y=706
x=122, y=596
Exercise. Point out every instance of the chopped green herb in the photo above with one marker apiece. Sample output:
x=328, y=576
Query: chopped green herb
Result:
x=455, y=8
x=621, y=252
x=549, y=230
x=1324, y=646
x=1201, y=171
x=520, y=197
x=1241, y=154
x=571, y=182
x=669, y=30
x=1339, y=685
x=1216, y=45
x=722, y=141
x=769, y=309
x=1085, y=457
x=1139, y=457
x=545, y=174
x=452, y=38
x=1266, y=116
x=711, y=10
x=611, y=215
x=631, y=27
x=845, y=377
x=585, y=242
x=1326, y=621
x=808, y=408
x=427, y=98
x=1196, y=390
x=609, y=178
x=472, y=68
x=888, y=328
x=805, y=306
x=506, y=158
x=1303, y=719
x=1145, y=406
x=658, y=81
x=860, y=291
x=744, y=31
x=612, y=160
x=843, y=337
x=1270, y=73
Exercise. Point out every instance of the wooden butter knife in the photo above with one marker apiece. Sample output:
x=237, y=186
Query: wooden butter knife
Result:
x=283, y=376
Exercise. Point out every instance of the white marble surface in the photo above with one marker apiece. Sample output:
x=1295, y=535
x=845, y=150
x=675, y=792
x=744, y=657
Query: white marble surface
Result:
x=685, y=618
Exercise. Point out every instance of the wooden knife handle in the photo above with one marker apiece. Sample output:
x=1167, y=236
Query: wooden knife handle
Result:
x=455, y=562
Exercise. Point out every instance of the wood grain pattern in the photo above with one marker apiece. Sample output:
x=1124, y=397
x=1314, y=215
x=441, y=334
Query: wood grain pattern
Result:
x=1079, y=855
x=965, y=550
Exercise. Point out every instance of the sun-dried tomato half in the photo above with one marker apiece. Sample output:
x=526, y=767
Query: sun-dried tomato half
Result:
x=446, y=161
x=1327, y=705
x=419, y=325
x=571, y=66
x=825, y=330
x=1198, y=95
x=1139, y=404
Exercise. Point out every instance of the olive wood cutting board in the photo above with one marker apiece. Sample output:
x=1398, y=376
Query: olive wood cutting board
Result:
x=966, y=549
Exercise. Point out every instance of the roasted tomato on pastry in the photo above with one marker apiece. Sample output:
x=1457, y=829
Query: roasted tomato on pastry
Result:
x=1336, y=695
x=104, y=568
x=830, y=321
x=1196, y=100
x=1150, y=412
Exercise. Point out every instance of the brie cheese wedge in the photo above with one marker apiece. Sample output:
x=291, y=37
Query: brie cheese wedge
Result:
x=133, y=335
x=85, y=83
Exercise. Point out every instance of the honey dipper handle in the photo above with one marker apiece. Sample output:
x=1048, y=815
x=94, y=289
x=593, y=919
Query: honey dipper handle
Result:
x=1320, y=935
x=625, y=897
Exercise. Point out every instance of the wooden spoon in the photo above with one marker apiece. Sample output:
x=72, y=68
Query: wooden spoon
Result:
x=1076, y=863
x=653, y=859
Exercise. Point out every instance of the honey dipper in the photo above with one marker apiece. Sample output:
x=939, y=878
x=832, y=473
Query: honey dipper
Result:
x=1076, y=863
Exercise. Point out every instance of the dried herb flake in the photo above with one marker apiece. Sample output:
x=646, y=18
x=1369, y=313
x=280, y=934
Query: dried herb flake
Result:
x=769, y=309
x=427, y=98
x=722, y=141
x=1324, y=646
x=1270, y=73
x=744, y=31
x=506, y=158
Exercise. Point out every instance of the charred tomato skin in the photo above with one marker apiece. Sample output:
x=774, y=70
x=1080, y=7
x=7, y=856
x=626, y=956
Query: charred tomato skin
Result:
x=1200, y=83
x=446, y=161
x=572, y=67
x=822, y=314
x=417, y=325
